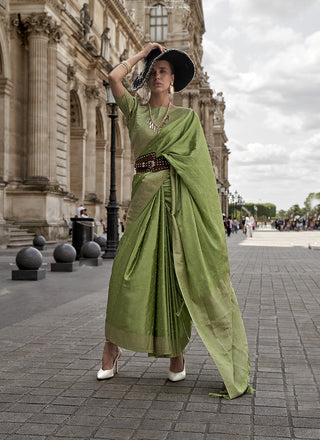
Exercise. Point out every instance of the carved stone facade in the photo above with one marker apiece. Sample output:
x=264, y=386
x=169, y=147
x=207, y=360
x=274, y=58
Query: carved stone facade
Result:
x=54, y=128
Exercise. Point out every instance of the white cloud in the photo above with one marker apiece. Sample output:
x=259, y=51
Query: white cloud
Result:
x=285, y=123
x=257, y=153
x=267, y=10
x=308, y=152
x=231, y=33
x=219, y=61
x=265, y=172
x=267, y=33
x=265, y=57
x=289, y=80
x=212, y=6
x=250, y=81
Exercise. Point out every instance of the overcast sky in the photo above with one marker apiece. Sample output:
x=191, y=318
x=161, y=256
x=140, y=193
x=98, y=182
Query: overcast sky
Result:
x=264, y=55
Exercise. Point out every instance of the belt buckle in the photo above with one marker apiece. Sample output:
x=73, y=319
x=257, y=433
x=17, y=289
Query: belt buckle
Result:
x=151, y=164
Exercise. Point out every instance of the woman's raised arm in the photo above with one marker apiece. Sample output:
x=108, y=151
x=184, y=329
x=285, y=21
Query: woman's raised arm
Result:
x=121, y=70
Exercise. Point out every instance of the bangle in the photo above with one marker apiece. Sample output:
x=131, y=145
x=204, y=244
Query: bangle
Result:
x=126, y=65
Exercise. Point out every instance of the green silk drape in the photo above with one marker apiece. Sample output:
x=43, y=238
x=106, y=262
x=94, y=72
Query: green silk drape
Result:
x=195, y=256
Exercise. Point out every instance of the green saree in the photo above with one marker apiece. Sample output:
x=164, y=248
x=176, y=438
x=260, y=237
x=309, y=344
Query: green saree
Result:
x=172, y=264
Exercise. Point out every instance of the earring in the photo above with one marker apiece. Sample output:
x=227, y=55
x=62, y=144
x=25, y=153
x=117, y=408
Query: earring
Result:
x=171, y=89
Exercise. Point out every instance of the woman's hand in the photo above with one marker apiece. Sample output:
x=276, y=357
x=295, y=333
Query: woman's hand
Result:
x=119, y=72
x=148, y=48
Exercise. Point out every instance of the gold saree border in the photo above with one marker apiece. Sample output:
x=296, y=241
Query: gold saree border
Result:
x=146, y=343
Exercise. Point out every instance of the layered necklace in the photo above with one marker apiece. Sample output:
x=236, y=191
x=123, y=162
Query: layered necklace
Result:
x=157, y=127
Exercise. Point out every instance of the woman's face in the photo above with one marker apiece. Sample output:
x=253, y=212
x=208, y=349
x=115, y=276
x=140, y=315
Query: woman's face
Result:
x=160, y=77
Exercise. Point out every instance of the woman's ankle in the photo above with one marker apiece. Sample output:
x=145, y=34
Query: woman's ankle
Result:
x=177, y=363
x=110, y=352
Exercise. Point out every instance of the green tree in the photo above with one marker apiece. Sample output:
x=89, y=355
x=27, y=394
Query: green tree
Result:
x=281, y=214
x=311, y=208
x=263, y=212
x=295, y=211
x=312, y=205
x=309, y=199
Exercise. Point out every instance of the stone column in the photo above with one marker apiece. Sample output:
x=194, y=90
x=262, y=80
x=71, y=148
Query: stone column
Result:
x=78, y=137
x=2, y=204
x=38, y=27
x=206, y=118
x=195, y=101
x=211, y=113
x=184, y=99
x=101, y=169
x=92, y=93
x=5, y=91
x=55, y=36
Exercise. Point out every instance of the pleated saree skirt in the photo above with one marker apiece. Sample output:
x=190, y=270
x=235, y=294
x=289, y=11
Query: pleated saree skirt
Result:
x=146, y=311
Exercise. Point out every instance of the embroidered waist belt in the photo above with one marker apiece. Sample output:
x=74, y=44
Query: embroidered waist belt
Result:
x=149, y=162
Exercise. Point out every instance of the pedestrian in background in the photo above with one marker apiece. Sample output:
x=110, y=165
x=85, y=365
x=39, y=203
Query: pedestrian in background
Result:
x=229, y=225
x=249, y=225
x=243, y=224
x=79, y=209
x=235, y=226
x=84, y=213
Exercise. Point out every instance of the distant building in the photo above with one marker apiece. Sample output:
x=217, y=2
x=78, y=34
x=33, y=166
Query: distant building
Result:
x=54, y=128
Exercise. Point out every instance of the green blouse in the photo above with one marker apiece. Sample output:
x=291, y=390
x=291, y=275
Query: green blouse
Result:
x=137, y=117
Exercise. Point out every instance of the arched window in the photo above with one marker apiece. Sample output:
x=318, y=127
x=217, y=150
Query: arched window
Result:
x=75, y=110
x=99, y=125
x=158, y=23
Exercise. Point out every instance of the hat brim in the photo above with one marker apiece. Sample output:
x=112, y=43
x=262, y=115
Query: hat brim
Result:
x=181, y=62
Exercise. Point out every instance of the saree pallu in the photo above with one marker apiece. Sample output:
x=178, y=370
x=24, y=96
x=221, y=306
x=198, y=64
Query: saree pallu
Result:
x=172, y=263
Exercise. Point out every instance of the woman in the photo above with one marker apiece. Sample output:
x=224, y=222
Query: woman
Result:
x=249, y=225
x=171, y=267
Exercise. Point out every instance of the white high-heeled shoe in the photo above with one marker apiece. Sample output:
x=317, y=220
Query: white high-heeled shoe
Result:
x=108, y=374
x=176, y=377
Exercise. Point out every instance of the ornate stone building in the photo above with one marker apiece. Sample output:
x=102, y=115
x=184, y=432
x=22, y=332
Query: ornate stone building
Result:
x=55, y=56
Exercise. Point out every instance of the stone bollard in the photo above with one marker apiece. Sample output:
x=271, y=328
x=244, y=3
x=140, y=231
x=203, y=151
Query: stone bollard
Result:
x=90, y=254
x=29, y=260
x=39, y=242
x=102, y=242
x=64, y=255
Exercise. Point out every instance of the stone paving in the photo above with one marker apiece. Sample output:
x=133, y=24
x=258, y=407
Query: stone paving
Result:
x=50, y=355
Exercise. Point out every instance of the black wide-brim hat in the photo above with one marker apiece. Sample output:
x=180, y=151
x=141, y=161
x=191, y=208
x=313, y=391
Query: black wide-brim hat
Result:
x=181, y=62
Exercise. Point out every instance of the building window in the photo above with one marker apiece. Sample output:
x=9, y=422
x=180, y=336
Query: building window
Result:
x=158, y=23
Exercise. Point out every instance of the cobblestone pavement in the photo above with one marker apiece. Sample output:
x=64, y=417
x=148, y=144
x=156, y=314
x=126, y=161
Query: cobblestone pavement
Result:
x=49, y=356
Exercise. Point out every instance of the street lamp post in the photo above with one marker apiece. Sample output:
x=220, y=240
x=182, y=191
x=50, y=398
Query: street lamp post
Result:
x=234, y=202
x=238, y=202
x=224, y=193
x=226, y=202
x=255, y=214
x=233, y=199
x=113, y=207
x=231, y=203
x=243, y=203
